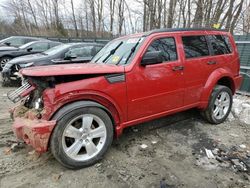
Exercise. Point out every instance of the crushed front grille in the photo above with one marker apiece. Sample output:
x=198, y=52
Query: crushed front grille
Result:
x=17, y=94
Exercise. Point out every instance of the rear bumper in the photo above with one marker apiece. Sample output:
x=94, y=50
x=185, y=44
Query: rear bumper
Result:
x=34, y=132
x=238, y=82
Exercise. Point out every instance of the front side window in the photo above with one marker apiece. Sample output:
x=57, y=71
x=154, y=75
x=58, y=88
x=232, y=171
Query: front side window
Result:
x=220, y=44
x=167, y=46
x=85, y=51
x=195, y=46
x=39, y=46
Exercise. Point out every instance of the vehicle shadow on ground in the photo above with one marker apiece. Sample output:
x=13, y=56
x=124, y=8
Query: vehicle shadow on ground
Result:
x=181, y=122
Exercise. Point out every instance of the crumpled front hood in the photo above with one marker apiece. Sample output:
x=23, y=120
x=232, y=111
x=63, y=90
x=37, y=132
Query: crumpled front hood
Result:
x=72, y=69
x=8, y=48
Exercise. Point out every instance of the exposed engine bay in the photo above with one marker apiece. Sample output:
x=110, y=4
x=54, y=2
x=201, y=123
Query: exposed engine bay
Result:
x=31, y=91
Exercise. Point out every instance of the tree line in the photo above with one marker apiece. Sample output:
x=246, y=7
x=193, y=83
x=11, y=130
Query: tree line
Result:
x=111, y=18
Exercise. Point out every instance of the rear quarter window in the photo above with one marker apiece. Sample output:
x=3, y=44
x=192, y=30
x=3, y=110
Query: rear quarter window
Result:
x=195, y=46
x=220, y=44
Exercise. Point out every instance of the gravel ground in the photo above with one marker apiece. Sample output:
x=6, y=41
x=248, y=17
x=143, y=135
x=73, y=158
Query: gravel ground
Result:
x=169, y=151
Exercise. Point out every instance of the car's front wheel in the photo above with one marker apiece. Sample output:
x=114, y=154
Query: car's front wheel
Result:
x=3, y=61
x=219, y=106
x=81, y=137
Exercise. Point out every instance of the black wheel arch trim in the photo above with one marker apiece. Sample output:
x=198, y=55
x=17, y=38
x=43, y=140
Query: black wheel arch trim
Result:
x=117, y=77
x=8, y=56
x=76, y=105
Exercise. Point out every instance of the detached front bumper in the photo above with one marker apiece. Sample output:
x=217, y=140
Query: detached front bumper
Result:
x=34, y=132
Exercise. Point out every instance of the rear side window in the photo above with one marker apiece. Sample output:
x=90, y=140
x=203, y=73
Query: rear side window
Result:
x=167, y=46
x=220, y=44
x=195, y=46
x=98, y=48
x=53, y=44
x=29, y=40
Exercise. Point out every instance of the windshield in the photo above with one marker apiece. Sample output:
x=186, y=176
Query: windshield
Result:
x=12, y=41
x=6, y=40
x=118, y=52
x=56, y=49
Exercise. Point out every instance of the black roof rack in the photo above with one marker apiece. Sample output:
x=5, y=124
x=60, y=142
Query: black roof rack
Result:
x=180, y=29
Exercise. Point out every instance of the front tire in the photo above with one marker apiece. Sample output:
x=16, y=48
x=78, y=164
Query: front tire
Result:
x=3, y=61
x=219, y=106
x=82, y=137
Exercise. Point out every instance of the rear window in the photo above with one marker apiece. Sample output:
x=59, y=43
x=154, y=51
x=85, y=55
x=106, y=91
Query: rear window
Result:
x=220, y=44
x=195, y=46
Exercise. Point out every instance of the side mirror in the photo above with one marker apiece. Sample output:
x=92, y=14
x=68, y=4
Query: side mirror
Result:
x=151, y=58
x=69, y=56
x=29, y=49
x=7, y=43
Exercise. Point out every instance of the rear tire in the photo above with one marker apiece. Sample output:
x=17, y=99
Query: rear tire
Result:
x=82, y=137
x=220, y=104
x=11, y=83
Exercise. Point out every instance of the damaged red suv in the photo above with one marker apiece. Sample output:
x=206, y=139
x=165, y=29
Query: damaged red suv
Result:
x=76, y=110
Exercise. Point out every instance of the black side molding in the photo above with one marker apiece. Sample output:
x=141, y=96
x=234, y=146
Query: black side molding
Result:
x=114, y=78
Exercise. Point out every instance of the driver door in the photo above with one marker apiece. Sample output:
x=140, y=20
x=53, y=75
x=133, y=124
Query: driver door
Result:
x=157, y=88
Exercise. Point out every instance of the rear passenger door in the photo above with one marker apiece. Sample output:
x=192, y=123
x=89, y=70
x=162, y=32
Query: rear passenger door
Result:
x=198, y=66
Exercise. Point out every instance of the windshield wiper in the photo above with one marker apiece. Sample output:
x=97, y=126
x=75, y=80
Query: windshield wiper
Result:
x=132, y=50
x=112, y=51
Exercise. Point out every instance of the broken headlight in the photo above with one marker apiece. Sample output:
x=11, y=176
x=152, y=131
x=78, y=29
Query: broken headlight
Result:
x=38, y=104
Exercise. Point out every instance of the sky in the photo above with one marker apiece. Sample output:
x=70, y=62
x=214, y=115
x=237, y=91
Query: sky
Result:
x=2, y=11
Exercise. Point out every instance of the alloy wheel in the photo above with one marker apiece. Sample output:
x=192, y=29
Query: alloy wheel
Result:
x=3, y=62
x=221, y=105
x=84, y=137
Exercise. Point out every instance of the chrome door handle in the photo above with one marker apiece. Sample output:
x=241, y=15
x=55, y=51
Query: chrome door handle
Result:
x=178, y=68
x=211, y=62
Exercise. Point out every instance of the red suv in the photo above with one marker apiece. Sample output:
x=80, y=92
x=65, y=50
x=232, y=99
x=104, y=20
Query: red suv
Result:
x=77, y=109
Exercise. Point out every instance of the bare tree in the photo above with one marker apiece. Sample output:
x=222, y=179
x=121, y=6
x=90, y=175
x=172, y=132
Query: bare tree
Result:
x=99, y=18
x=112, y=13
x=237, y=11
x=74, y=17
x=171, y=11
x=198, y=17
x=100, y=14
x=33, y=12
x=121, y=5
